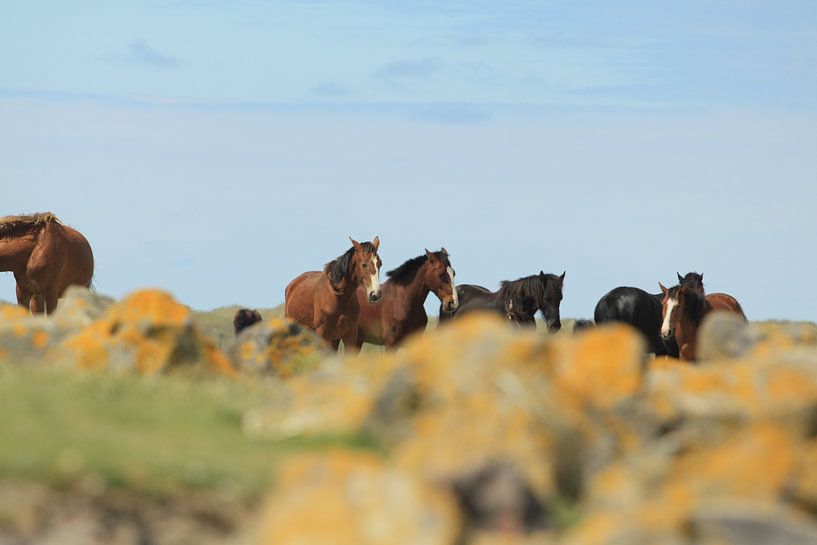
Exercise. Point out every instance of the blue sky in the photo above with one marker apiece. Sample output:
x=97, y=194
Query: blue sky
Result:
x=218, y=149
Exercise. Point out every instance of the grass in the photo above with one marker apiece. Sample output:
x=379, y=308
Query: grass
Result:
x=156, y=436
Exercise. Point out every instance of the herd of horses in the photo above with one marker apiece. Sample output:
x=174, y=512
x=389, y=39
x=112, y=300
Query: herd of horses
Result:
x=346, y=301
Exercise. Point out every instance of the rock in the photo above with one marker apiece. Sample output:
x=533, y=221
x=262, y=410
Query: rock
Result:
x=603, y=367
x=497, y=498
x=147, y=332
x=751, y=524
x=723, y=335
x=277, y=347
x=354, y=498
x=80, y=306
x=26, y=338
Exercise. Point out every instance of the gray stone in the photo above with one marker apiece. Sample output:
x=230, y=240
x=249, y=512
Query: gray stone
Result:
x=723, y=335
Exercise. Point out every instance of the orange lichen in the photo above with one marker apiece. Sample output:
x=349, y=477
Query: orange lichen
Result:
x=148, y=332
x=349, y=498
x=603, y=367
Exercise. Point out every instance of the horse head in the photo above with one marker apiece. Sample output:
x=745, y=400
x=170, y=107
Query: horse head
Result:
x=366, y=267
x=439, y=277
x=692, y=280
x=550, y=299
x=669, y=310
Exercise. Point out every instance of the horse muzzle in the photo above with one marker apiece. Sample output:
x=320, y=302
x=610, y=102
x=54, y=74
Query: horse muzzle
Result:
x=375, y=296
x=450, y=306
x=553, y=327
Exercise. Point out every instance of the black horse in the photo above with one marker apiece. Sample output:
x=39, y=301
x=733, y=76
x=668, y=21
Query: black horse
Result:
x=516, y=300
x=642, y=310
x=639, y=309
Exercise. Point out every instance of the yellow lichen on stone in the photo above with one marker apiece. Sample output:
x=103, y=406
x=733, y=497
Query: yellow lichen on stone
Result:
x=353, y=498
x=148, y=332
x=603, y=367
x=12, y=312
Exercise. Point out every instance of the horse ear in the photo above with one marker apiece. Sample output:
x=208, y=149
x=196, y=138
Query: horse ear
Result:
x=562, y=278
x=542, y=276
x=376, y=243
x=680, y=278
x=664, y=289
x=430, y=255
x=355, y=243
x=443, y=250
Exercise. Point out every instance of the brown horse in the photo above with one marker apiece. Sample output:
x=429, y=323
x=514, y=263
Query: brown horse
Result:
x=45, y=256
x=401, y=311
x=326, y=302
x=683, y=311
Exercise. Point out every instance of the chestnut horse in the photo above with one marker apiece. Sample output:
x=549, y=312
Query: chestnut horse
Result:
x=401, y=311
x=683, y=310
x=45, y=256
x=326, y=302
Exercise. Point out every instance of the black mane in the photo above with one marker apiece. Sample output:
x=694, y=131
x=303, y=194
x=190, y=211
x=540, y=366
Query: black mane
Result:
x=523, y=291
x=693, y=281
x=338, y=268
x=694, y=303
x=405, y=272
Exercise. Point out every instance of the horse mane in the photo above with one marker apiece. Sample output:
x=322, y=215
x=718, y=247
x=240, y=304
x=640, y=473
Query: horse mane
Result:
x=694, y=303
x=12, y=226
x=523, y=290
x=693, y=280
x=404, y=273
x=338, y=268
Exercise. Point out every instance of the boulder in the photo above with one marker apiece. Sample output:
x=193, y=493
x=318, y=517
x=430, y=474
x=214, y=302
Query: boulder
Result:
x=353, y=498
x=277, y=347
x=147, y=332
x=723, y=335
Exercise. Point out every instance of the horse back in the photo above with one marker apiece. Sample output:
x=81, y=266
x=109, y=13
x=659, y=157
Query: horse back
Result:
x=299, y=297
x=471, y=297
x=724, y=301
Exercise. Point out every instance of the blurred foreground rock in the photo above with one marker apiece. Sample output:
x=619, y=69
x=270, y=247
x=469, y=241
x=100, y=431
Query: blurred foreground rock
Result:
x=562, y=439
x=277, y=347
x=147, y=332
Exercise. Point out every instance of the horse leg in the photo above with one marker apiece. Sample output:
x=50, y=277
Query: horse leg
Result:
x=50, y=299
x=24, y=298
x=350, y=343
x=335, y=344
x=36, y=304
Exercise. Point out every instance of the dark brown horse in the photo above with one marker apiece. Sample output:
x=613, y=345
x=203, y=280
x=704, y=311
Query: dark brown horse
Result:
x=517, y=300
x=401, y=311
x=326, y=301
x=684, y=309
x=244, y=318
x=45, y=256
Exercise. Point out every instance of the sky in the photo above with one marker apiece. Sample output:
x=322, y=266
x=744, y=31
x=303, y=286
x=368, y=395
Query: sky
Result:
x=217, y=149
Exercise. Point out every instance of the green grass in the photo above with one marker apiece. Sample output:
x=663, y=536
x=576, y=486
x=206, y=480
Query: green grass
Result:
x=156, y=436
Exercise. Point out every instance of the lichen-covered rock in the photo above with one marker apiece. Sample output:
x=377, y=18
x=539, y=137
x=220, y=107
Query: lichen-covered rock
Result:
x=25, y=338
x=277, y=347
x=80, y=306
x=723, y=335
x=351, y=498
x=147, y=332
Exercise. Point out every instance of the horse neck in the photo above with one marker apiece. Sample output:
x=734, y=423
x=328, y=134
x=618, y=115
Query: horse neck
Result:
x=14, y=252
x=415, y=292
x=345, y=289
